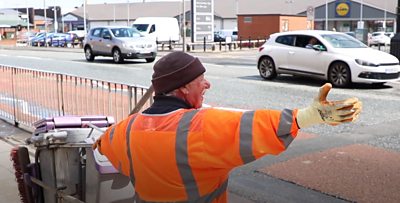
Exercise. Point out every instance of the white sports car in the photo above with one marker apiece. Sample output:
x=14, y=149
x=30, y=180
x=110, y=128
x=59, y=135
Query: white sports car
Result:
x=336, y=57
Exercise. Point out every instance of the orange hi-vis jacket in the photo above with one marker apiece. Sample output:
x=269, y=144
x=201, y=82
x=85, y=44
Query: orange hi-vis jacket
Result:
x=186, y=155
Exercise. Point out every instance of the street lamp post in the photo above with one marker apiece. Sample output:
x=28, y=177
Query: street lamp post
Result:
x=184, y=26
x=27, y=18
x=326, y=14
x=128, y=12
x=55, y=18
x=45, y=15
x=84, y=16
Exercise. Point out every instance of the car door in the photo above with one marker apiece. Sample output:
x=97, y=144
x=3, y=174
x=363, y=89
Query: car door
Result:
x=105, y=45
x=303, y=59
x=94, y=40
x=279, y=53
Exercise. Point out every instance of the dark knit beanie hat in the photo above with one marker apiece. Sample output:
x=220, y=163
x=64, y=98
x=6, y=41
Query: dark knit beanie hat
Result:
x=175, y=70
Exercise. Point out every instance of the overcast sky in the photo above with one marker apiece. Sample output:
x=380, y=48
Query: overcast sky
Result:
x=66, y=5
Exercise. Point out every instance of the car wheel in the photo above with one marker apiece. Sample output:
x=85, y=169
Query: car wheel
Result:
x=266, y=67
x=89, y=54
x=339, y=74
x=117, y=57
x=149, y=60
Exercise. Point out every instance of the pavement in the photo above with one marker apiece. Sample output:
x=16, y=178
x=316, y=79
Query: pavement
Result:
x=343, y=168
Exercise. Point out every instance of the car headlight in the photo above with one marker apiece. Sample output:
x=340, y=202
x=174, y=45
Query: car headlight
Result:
x=366, y=63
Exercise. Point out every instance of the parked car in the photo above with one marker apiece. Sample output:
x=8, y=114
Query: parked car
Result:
x=61, y=40
x=336, y=57
x=380, y=38
x=220, y=36
x=120, y=43
x=39, y=39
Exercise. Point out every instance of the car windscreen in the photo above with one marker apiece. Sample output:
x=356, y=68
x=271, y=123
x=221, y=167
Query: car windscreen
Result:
x=343, y=41
x=125, y=32
x=141, y=27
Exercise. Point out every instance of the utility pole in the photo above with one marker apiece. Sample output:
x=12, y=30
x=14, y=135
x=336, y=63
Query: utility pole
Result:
x=45, y=15
x=184, y=26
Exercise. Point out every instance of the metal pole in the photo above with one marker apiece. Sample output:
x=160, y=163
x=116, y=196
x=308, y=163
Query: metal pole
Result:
x=384, y=19
x=361, y=10
x=128, y=13
x=84, y=16
x=326, y=14
x=45, y=15
x=55, y=18
x=184, y=26
x=27, y=17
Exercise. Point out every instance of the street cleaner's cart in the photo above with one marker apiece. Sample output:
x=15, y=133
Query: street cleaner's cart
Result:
x=65, y=168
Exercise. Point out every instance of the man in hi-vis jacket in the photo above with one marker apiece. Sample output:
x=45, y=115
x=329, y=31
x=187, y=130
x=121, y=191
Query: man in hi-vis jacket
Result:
x=176, y=151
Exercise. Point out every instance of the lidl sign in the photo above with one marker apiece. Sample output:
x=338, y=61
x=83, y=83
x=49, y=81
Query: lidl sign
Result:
x=342, y=8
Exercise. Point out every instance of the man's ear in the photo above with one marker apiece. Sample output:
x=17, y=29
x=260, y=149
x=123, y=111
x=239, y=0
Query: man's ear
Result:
x=184, y=90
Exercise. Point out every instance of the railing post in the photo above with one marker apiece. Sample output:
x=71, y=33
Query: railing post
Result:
x=13, y=73
x=61, y=94
x=240, y=43
x=249, y=42
x=130, y=98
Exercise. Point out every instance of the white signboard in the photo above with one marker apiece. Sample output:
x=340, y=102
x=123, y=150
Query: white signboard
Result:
x=360, y=25
x=203, y=23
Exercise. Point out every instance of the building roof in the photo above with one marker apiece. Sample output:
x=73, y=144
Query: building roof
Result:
x=106, y=11
x=9, y=17
x=292, y=7
x=222, y=8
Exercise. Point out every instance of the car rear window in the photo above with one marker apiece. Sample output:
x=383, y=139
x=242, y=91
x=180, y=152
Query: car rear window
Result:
x=285, y=39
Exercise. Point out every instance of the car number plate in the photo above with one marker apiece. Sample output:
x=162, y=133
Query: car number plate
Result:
x=391, y=70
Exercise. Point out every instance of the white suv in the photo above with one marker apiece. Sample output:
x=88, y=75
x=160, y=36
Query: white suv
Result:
x=120, y=43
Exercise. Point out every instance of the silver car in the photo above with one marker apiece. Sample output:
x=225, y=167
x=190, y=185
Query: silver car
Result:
x=119, y=42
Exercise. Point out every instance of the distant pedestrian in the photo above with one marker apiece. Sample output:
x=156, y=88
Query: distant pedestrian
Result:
x=176, y=151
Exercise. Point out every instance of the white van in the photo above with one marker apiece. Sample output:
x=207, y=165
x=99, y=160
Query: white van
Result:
x=162, y=29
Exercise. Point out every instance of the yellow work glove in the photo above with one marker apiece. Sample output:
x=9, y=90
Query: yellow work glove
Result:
x=329, y=112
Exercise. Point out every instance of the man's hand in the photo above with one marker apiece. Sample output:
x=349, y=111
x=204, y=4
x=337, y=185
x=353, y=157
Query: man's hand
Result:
x=329, y=112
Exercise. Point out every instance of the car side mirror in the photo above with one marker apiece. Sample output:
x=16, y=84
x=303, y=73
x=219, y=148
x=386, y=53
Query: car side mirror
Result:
x=107, y=37
x=319, y=47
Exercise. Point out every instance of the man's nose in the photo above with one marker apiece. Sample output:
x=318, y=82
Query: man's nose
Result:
x=208, y=84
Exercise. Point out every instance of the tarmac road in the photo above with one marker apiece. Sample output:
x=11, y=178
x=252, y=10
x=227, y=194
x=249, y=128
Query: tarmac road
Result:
x=350, y=163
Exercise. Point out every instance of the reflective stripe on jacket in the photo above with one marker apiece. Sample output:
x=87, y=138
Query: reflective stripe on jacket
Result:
x=186, y=155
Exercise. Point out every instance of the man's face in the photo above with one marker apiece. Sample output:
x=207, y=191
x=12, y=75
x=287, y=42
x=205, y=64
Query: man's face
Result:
x=196, y=90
